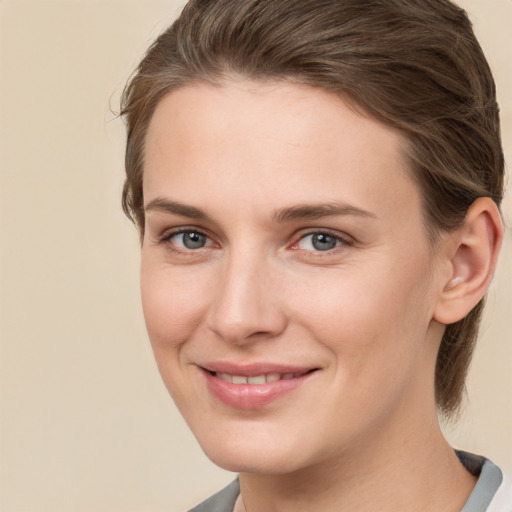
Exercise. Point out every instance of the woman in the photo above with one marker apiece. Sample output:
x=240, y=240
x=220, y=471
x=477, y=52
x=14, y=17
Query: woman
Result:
x=317, y=189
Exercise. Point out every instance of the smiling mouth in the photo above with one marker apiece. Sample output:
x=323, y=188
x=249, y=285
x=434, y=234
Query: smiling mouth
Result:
x=254, y=387
x=259, y=379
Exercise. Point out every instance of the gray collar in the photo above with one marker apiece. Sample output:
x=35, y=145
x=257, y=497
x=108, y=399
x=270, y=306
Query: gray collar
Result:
x=489, y=479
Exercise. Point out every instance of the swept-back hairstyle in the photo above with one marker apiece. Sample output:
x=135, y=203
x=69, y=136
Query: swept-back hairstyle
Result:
x=412, y=64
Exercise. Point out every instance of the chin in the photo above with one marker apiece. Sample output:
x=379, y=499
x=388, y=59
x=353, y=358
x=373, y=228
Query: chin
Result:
x=248, y=454
x=257, y=452
x=256, y=461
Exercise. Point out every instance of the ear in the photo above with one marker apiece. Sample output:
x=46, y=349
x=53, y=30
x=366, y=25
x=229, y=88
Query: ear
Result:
x=473, y=259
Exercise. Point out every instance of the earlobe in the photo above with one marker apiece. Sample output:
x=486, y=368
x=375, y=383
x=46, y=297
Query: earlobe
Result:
x=473, y=261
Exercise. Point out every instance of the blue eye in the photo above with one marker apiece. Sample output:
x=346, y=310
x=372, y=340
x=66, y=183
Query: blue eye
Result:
x=319, y=242
x=190, y=240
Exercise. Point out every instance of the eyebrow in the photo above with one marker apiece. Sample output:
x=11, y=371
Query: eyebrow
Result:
x=289, y=213
x=160, y=204
x=319, y=211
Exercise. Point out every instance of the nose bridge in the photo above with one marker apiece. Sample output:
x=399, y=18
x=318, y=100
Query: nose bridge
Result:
x=245, y=303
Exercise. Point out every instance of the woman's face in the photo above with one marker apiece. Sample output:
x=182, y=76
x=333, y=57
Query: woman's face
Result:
x=287, y=282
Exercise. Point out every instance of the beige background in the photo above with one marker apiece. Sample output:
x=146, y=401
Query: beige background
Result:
x=86, y=424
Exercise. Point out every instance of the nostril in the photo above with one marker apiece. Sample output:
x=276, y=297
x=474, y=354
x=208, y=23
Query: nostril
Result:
x=258, y=333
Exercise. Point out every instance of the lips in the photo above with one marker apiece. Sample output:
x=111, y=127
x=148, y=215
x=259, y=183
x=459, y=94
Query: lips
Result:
x=258, y=379
x=253, y=386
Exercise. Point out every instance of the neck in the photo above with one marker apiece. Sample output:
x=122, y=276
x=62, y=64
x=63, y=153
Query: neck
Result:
x=407, y=468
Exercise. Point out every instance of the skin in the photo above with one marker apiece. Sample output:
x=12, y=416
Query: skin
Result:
x=363, y=313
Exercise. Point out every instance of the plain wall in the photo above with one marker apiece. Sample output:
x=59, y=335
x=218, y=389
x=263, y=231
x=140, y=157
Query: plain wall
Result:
x=86, y=424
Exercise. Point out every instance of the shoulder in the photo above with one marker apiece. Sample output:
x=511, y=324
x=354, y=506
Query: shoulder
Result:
x=223, y=501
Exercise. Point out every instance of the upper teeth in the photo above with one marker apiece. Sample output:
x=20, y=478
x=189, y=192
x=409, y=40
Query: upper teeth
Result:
x=256, y=379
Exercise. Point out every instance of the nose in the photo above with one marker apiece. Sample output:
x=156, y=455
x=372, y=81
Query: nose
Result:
x=246, y=303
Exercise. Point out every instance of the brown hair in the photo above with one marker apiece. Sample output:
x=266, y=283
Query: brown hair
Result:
x=413, y=64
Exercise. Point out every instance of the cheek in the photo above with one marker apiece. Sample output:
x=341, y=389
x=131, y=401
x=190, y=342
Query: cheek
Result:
x=371, y=315
x=376, y=333
x=173, y=302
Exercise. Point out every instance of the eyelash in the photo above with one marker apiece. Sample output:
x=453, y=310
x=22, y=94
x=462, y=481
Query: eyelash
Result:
x=166, y=239
x=341, y=241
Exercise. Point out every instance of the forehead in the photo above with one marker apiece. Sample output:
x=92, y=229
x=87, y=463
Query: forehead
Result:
x=277, y=142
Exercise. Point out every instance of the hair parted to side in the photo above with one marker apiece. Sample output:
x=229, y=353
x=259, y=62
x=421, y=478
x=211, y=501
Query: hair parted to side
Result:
x=413, y=64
